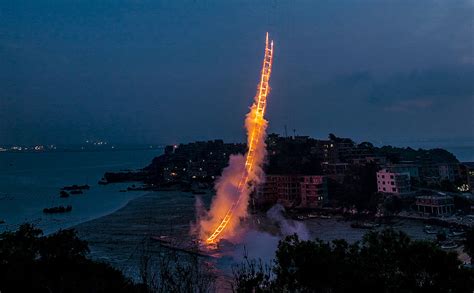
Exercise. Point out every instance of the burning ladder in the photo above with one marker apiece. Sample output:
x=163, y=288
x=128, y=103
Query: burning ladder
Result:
x=262, y=93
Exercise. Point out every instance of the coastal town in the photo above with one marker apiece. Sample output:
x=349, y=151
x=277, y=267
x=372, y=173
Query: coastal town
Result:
x=237, y=146
x=330, y=176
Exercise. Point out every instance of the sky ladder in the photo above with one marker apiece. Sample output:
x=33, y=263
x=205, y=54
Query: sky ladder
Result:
x=261, y=101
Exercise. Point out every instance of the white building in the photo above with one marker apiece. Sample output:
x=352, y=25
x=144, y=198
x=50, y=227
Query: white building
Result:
x=392, y=182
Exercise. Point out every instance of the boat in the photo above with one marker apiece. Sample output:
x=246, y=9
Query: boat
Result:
x=449, y=245
x=429, y=230
x=456, y=233
x=57, y=210
x=364, y=225
x=76, y=192
x=76, y=187
x=63, y=194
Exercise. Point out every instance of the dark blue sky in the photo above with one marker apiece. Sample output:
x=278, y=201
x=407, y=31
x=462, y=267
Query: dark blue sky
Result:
x=174, y=71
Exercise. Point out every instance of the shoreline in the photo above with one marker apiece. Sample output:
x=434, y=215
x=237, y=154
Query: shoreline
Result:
x=121, y=237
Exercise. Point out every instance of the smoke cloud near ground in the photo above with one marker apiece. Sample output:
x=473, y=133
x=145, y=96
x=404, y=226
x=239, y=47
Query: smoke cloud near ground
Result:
x=262, y=245
x=227, y=192
x=287, y=227
x=227, y=186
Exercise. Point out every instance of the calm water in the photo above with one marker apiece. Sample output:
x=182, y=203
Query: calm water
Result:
x=30, y=182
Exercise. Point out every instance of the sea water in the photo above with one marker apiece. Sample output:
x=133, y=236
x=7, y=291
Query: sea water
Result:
x=30, y=182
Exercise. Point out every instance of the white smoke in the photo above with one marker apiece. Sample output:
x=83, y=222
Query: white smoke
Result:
x=287, y=227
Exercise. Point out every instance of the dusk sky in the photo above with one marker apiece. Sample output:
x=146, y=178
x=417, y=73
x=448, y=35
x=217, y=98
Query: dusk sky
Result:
x=176, y=71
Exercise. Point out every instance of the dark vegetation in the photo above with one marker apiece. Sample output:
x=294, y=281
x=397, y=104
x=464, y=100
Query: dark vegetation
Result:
x=386, y=261
x=469, y=243
x=31, y=262
x=397, y=154
x=293, y=157
x=359, y=187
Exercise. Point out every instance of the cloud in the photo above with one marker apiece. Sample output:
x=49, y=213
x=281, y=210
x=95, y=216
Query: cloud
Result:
x=413, y=88
x=405, y=106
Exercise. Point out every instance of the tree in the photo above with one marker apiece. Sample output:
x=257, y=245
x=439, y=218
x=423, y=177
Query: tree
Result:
x=359, y=187
x=252, y=276
x=469, y=243
x=175, y=270
x=30, y=262
x=386, y=261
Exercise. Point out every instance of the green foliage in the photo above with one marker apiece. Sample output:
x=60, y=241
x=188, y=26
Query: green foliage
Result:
x=294, y=157
x=30, y=262
x=386, y=261
x=252, y=276
x=359, y=187
x=469, y=243
x=396, y=154
x=393, y=204
x=462, y=203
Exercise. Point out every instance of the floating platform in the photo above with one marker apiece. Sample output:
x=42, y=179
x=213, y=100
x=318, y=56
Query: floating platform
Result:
x=193, y=246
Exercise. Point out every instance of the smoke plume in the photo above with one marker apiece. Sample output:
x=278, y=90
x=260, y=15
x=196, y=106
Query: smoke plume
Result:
x=239, y=179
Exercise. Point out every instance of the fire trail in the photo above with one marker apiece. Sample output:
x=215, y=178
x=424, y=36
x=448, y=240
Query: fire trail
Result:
x=256, y=125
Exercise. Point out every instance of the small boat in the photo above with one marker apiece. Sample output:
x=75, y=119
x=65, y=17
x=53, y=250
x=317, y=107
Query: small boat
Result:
x=76, y=187
x=63, y=194
x=449, y=245
x=57, y=210
x=455, y=233
x=429, y=230
x=364, y=225
x=76, y=192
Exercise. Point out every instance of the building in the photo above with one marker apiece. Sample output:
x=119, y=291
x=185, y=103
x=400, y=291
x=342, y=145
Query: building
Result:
x=299, y=191
x=335, y=171
x=313, y=190
x=379, y=160
x=448, y=171
x=437, y=172
x=394, y=183
x=435, y=205
x=405, y=167
x=466, y=171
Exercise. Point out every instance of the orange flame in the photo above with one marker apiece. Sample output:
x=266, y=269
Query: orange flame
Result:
x=239, y=179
